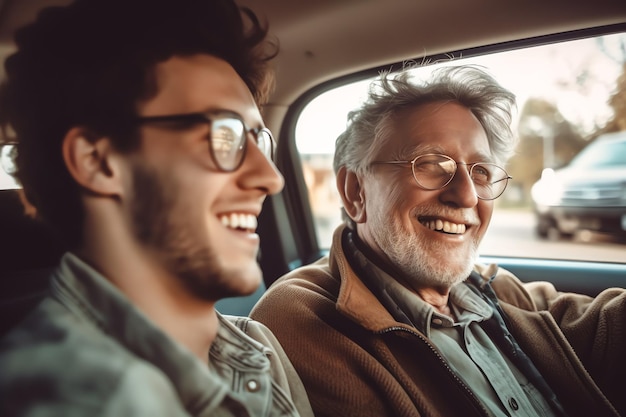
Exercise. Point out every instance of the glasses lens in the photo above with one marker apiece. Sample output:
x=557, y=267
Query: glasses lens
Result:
x=8, y=153
x=265, y=142
x=433, y=172
x=228, y=140
x=490, y=180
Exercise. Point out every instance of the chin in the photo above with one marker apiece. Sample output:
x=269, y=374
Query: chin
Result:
x=218, y=281
x=251, y=287
x=244, y=282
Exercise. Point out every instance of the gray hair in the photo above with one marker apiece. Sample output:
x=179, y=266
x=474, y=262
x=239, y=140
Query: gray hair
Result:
x=370, y=126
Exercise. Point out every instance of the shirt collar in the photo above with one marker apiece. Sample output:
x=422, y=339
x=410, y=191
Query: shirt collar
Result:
x=81, y=288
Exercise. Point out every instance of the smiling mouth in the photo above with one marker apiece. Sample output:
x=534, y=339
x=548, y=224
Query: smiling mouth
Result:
x=239, y=221
x=444, y=226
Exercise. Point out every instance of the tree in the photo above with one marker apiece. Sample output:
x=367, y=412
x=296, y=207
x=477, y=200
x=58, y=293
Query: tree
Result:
x=618, y=103
x=541, y=121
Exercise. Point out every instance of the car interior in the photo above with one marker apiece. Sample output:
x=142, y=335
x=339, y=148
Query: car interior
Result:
x=326, y=44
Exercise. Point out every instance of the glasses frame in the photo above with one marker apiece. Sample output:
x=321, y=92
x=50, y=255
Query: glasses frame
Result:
x=470, y=168
x=208, y=118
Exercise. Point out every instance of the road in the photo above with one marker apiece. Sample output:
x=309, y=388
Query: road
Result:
x=511, y=233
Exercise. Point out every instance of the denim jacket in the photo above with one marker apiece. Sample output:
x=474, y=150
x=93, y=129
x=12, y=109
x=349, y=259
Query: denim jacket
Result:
x=87, y=351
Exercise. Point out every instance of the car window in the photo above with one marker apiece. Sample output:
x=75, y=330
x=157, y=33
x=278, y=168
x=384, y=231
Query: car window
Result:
x=569, y=94
x=601, y=153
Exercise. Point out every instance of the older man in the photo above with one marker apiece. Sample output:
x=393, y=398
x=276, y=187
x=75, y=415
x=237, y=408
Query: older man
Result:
x=398, y=320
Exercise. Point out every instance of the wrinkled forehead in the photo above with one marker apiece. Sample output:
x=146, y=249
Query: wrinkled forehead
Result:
x=439, y=127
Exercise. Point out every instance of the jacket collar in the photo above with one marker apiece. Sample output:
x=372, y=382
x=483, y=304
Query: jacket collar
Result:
x=84, y=291
x=355, y=299
x=370, y=307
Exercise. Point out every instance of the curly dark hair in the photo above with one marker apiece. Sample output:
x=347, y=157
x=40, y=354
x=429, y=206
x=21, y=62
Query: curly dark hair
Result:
x=89, y=64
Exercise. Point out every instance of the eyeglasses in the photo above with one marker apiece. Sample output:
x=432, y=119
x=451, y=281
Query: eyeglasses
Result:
x=434, y=171
x=227, y=138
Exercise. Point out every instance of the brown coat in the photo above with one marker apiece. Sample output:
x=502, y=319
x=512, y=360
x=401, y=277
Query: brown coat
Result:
x=356, y=360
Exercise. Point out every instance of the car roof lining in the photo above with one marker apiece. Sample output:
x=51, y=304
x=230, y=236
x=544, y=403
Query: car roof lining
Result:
x=317, y=39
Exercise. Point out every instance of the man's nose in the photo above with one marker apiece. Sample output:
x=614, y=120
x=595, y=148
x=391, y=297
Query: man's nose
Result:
x=259, y=171
x=461, y=191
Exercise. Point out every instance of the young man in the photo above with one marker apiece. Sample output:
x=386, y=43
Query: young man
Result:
x=398, y=320
x=140, y=139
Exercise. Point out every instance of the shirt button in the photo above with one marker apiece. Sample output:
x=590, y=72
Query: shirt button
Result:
x=513, y=403
x=253, y=386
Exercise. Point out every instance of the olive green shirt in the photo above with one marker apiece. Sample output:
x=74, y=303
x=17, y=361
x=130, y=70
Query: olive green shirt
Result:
x=87, y=351
x=468, y=350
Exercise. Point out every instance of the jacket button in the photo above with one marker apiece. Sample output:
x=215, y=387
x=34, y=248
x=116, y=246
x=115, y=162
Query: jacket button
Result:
x=514, y=405
x=253, y=386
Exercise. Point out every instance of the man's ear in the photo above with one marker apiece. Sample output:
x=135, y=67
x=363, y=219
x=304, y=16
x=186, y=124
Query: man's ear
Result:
x=92, y=162
x=352, y=194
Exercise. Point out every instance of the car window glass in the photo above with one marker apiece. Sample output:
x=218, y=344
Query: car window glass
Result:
x=569, y=94
x=601, y=154
x=7, y=167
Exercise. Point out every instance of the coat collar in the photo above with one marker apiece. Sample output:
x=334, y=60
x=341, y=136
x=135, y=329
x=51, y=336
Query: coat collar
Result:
x=363, y=304
x=355, y=299
x=82, y=289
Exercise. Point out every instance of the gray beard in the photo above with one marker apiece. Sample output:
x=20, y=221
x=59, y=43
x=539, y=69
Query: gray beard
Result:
x=418, y=260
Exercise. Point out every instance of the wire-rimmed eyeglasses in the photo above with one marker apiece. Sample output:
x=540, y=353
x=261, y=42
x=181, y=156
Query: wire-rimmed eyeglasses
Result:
x=435, y=171
x=227, y=138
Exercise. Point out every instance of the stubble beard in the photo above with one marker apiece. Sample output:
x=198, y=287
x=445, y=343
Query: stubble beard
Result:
x=169, y=226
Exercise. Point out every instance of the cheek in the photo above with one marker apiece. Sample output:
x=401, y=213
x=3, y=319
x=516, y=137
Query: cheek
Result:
x=384, y=197
x=189, y=196
x=397, y=198
x=199, y=184
x=405, y=199
x=394, y=190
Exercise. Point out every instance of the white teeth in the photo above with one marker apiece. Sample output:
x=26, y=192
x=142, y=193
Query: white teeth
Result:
x=445, y=226
x=239, y=221
x=233, y=221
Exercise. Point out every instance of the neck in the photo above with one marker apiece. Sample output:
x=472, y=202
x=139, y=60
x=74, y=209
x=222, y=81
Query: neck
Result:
x=438, y=299
x=161, y=296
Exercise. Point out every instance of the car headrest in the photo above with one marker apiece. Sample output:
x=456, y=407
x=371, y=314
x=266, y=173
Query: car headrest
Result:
x=29, y=251
x=25, y=243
